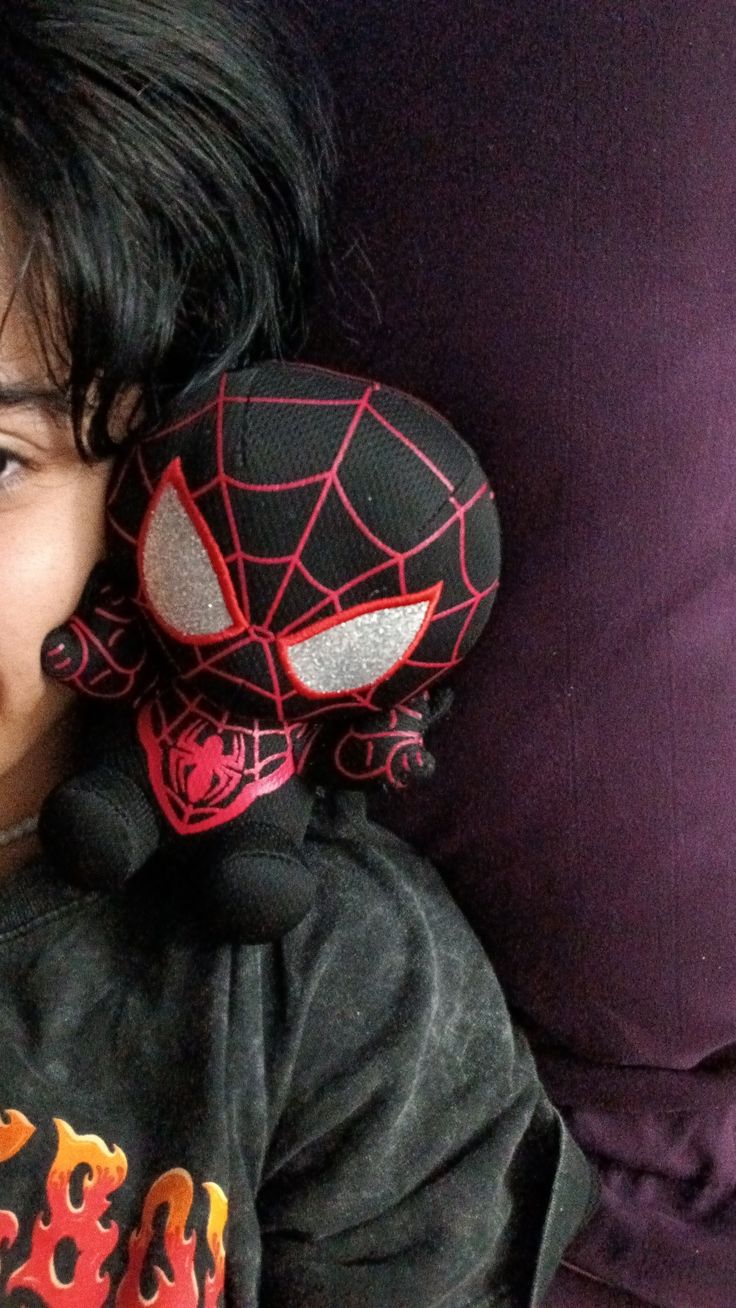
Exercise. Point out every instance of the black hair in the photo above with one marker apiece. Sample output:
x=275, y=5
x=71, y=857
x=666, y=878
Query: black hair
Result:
x=168, y=162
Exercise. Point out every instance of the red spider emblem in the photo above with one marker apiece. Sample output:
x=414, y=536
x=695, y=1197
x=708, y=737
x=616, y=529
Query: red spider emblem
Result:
x=207, y=770
x=202, y=770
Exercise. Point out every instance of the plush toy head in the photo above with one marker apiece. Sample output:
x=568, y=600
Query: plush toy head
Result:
x=307, y=543
x=303, y=546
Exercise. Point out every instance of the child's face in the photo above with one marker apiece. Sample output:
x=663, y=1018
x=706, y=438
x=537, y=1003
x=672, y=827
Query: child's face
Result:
x=51, y=533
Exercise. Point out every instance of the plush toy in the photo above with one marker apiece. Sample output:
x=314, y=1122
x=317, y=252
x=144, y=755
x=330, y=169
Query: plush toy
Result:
x=293, y=562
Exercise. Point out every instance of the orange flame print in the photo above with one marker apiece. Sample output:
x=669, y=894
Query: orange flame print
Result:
x=106, y=1170
x=176, y=1189
x=13, y=1135
x=84, y=1165
x=215, y=1281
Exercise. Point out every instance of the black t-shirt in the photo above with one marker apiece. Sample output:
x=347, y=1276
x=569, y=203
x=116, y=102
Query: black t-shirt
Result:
x=342, y=1119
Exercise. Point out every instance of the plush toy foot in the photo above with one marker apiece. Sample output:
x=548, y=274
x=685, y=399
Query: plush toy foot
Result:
x=257, y=891
x=98, y=829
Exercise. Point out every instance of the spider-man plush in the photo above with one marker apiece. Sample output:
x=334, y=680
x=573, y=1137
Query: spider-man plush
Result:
x=292, y=563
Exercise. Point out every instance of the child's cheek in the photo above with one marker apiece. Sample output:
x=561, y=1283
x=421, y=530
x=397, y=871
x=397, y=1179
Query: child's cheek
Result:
x=49, y=546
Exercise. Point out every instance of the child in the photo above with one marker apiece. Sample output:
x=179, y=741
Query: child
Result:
x=345, y=1117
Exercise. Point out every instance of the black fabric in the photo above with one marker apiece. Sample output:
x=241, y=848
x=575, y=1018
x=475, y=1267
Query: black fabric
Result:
x=306, y=475
x=355, y=1091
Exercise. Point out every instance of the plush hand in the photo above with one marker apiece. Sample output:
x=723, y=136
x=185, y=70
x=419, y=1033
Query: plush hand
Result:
x=390, y=749
x=103, y=651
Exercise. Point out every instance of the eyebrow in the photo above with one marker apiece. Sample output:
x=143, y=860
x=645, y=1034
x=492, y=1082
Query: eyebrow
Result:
x=21, y=395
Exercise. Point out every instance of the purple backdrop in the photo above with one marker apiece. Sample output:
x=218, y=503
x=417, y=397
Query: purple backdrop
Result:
x=547, y=194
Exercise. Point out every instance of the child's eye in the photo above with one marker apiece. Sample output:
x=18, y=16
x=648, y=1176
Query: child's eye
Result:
x=12, y=470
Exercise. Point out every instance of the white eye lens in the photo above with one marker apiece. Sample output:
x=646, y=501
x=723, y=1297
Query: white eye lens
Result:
x=178, y=574
x=358, y=652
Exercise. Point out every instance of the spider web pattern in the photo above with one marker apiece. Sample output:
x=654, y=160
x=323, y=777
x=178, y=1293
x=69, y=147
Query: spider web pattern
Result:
x=327, y=569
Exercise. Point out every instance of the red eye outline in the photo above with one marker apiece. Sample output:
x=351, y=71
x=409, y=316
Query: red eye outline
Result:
x=284, y=644
x=173, y=477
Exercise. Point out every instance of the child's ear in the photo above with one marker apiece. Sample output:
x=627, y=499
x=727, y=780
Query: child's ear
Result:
x=125, y=414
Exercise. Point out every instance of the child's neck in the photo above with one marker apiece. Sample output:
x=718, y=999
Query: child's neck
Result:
x=24, y=787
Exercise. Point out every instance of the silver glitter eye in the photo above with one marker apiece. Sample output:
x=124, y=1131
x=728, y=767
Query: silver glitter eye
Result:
x=357, y=652
x=180, y=582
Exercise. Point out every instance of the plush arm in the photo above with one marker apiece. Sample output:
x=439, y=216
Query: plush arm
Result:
x=102, y=651
x=389, y=749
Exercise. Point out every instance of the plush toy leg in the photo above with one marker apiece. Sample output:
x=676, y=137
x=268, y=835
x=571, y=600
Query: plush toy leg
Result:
x=98, y=828
x=252, y=881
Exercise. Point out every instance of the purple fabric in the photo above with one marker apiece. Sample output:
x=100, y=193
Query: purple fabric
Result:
x=548, y=196
x=573, y=1290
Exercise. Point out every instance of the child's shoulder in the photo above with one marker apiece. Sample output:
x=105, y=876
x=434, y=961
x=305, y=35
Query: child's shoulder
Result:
x=387, y=947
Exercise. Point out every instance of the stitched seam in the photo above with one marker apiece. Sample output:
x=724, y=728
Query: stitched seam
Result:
x=49, y=916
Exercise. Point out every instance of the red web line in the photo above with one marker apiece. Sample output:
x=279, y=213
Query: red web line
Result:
x=132, y=540
x=463, y=551
x=335, y=596
x=217, y=481
x=411, y=446
x=264, y=559
x=210, y=665
x=412, y=713
x=189, y=706
x=115, y=482
x=329, y=482
x=87, y=637
x=461, y=637
x=102, y=612
x=474, y=599
x=429, y=540
x=442, y=668
x=327, y=593
x=266, y=488
x=288, y=399
x=381, y=735
x=143, y=470
x=202, y=490
x=278, y=697
x=461, y=634
x=360, y=524
x=351, y=700
x=185, y=422
x=418, y=663
x=207, y=664
x=220, y=717
x=459, y=517
x=221, y=390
